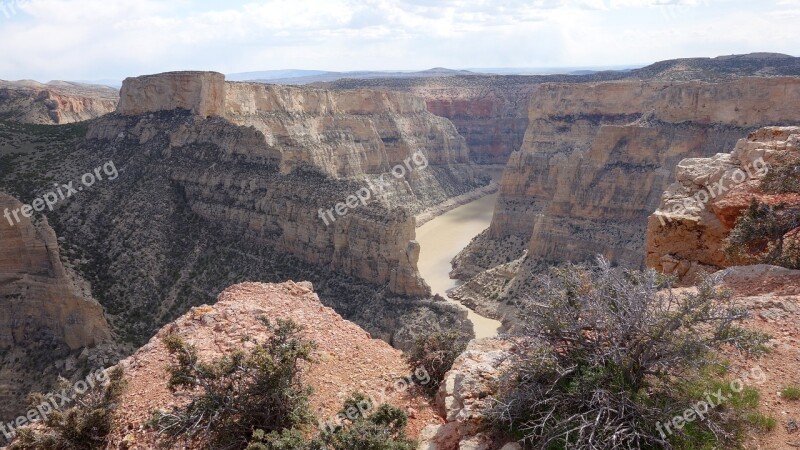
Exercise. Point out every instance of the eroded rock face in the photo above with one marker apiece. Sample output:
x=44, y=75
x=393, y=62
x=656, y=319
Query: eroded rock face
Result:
x=202, y=93
x=686, y=235
x=57, y=102
x=46, y=311
x=369, y=137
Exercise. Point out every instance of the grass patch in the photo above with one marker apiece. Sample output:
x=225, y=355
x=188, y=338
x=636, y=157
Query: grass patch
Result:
x=791, y=393
x=762, y=422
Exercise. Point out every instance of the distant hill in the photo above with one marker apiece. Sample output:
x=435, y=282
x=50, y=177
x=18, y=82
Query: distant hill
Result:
x=300, y=77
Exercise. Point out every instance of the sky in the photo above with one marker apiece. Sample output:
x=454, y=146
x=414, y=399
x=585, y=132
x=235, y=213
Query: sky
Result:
x=112, y=39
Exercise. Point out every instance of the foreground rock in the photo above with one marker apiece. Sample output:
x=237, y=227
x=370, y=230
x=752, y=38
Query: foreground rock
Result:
x=57, y=102
x=686, y=235
x=771, y=294
x=346, y=360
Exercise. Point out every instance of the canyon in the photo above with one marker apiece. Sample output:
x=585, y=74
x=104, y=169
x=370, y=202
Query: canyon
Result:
x=223, y=183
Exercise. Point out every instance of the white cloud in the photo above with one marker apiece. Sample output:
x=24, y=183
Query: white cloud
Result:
x=99, y=38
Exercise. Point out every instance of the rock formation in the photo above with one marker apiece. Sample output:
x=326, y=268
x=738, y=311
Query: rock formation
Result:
x=686, y=235
x=47, y=313
x=346, y=359
x=202, y=93
x=56, y=102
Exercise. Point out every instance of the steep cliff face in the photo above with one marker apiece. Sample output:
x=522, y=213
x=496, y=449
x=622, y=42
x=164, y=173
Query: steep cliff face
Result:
x=202, y=93
x=57, y=102
x=686, y=235
x=47, y=312
x=346, y=359
x=490, y=112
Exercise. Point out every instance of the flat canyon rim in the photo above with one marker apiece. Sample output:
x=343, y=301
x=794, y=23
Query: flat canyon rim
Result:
x=443, y=237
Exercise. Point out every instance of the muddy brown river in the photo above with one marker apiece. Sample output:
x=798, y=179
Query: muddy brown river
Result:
x=442, y=238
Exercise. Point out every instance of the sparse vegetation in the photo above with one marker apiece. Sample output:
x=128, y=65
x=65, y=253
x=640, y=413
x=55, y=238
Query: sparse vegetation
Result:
x=84, y=426
x=257, y=401
x=791, y=392
x=766, y=234
x=436, y=354
x=236, y=395
x=606, y=354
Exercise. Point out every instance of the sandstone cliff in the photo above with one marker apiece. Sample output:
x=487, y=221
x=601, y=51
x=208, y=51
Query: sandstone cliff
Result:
x=47, y=312
x=686, y=235
x=346, y=359
x=56, y=102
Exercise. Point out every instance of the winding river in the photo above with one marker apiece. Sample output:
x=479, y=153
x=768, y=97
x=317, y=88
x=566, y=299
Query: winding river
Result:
x=442, y=238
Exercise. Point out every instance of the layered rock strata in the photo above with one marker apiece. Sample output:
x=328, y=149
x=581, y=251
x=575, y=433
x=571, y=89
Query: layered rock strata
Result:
x=47, y=312
x=686, y=235
x=204, y=202
x=57, y=102
x=491, y=111
x=597, y=157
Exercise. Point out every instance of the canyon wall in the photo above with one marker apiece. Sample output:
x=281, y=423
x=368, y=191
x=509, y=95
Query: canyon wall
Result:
x=490, y=112
x=47, y=313
x=596, y=157
x=202, y=93
x=686, y=235
x=594, y=164
x=54, y=103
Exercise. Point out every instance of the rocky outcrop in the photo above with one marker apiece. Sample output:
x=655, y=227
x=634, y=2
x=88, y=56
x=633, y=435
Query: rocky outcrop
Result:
x=47, y=311
x=345, y=360
x=202, y=93
x=465, y=394
x=57, y=102
x=686, y=235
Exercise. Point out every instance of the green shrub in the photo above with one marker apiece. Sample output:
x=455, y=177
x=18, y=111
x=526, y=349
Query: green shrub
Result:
x=382, y=429
x=236, y=395
x=604, y=355
x=766, y=234
x=436, y=353
x=83, y=426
